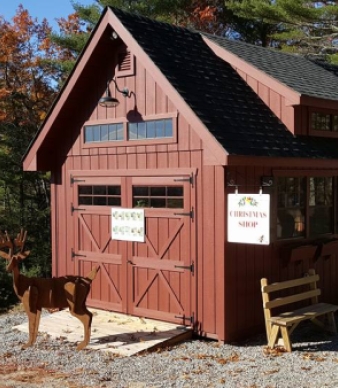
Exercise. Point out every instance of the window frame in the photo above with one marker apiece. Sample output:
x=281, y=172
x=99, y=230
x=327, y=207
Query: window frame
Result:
x=107, y=196
x=307, y=174
x=133, y=142
x=318, y=132
x=149, y=196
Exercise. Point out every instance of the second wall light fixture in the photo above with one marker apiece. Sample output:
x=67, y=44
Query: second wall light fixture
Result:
x=108, y=101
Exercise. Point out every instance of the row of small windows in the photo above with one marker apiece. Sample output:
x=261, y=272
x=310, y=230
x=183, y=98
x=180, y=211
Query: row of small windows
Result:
x=161, y=129
x=143, y=196
x=324, y=122
x=152, y=129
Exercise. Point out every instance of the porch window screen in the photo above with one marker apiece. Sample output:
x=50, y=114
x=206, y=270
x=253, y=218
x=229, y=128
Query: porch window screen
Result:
x=304, y=207
x=291, y=207
x=320, y=206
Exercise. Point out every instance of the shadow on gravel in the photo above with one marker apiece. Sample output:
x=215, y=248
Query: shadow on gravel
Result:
x=307, y=337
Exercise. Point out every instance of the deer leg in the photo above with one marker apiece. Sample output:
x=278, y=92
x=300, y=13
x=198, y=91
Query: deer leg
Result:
x=30, y=303
x=77, y=294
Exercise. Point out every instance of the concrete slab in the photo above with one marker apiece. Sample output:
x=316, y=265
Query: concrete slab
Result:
x=120, y=334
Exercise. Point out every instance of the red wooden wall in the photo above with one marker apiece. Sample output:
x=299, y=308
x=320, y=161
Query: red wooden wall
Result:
x=226, y=295
x=186, y=152
x=246, y=264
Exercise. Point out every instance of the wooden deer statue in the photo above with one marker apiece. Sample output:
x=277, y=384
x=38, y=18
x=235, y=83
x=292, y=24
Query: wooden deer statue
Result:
x=37, y=293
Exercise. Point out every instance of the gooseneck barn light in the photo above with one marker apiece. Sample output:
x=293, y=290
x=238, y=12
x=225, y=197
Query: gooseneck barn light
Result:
x=108, y=101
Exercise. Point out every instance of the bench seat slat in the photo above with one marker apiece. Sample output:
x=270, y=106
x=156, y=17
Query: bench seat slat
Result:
x=304, y=313
x=290, y=283
x=291, y=299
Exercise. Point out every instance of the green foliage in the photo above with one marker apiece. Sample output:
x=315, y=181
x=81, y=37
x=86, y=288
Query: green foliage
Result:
x=24, y=196
x=7, y=295
x=334, y=59
x=292, y=25
x=72, y=42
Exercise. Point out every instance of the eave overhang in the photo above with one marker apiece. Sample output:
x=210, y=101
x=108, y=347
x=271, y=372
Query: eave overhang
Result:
x=292, y=97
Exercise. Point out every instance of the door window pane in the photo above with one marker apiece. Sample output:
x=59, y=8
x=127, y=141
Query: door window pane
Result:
x=158, y=196
x=99, y=195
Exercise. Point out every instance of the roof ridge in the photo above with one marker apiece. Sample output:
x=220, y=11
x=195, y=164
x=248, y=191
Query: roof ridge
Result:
x=263, y=48
x=149, y=19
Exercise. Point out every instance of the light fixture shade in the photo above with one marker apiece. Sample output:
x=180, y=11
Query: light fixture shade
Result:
x=109, y=102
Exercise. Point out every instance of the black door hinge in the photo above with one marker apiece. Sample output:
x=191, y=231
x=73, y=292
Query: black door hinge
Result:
x=74, y=180
x=73, y=209
x=191, y=319
x=190, y=267
x=76, y=254
x=189, y=214
x=189, y=179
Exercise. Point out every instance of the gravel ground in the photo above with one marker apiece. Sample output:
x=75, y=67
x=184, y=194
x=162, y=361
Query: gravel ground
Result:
x=197, y=363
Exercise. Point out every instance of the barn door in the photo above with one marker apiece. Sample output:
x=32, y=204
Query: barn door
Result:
x=93, y=198
x=161, y=270
x=153, y=278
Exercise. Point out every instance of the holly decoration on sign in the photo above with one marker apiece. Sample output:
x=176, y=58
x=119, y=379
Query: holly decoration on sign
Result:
x=247, y=201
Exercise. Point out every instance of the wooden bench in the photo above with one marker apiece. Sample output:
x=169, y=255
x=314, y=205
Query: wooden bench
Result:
x=279, y=327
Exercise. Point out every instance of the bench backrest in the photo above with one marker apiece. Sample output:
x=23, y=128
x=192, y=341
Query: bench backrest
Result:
x=310, y=280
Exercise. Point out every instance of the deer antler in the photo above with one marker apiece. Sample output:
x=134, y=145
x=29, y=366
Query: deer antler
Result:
x=19, y=243
x=6, y=242
x=20, y=239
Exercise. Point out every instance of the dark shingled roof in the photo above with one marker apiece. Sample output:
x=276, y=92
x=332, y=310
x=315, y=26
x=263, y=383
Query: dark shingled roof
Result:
x=295, y=71
x=327, y=66
x=226, y=105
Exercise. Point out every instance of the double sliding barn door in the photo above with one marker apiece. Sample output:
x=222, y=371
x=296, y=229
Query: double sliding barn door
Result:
x=154, y=278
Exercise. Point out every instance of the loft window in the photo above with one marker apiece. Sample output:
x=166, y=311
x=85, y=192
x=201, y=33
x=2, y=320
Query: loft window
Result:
x=324, y=122
x=304, y=207
x=99, y=195
x=103, y=133
x=158, y=196
x=152, y=129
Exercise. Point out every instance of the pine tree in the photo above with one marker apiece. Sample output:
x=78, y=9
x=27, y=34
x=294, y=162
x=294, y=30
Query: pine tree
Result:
x=27, y=88
x=299, y=26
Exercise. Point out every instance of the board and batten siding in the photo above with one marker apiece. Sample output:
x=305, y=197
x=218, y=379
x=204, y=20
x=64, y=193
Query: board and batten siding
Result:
x=187, y=152
x=246, y=264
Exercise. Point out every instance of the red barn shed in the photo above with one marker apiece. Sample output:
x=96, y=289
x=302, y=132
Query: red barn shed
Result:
x=198, y=116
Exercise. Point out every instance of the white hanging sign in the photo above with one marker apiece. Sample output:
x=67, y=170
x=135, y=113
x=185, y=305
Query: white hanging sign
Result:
x=249, y=218
x=128, y=224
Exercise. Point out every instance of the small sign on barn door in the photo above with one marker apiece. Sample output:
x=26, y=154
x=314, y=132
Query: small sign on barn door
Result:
x=249, y=218
x=128, y=224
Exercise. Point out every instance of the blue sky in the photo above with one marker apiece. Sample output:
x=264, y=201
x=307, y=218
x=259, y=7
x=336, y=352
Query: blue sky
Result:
x=49, y=9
